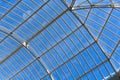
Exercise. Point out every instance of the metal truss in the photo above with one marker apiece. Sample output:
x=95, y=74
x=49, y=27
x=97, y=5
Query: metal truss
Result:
x=83, y=24
x=30, y=49
x=95, y=6
x=90, y=7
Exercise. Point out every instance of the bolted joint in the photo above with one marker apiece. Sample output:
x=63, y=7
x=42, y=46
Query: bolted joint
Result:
x=25, y=44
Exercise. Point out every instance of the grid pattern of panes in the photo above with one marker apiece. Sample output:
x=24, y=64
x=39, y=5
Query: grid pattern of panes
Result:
x=59, y=39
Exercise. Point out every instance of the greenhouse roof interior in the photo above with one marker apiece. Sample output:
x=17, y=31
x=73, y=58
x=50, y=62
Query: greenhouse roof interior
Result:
x=59, y=39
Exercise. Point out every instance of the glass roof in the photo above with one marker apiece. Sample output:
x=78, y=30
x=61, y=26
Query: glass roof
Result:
x=59, y=39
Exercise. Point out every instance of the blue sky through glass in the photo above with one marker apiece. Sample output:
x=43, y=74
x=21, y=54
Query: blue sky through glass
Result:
x=59, y=39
